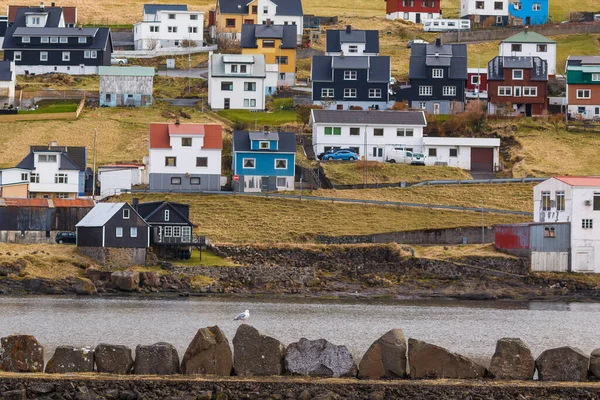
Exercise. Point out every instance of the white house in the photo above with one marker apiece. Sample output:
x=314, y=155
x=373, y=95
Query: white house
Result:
x=386, y=130
x=168, y=25
x=529, y=44
x=117, y=178
x=237, y=81
x=574, y=200
x=185, y=157
x=8, y=78
x=282, y=12
x=352, y=42
x=485, y=12
x=14, y=182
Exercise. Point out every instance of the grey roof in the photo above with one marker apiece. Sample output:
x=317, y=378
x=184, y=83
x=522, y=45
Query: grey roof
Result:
x=358, y=62
x=251, y=32
x=72, y=157
x=153, y=8
x=5, y=71
x=284, y=7
x=126, y=71
x=24, y=31
x=321, y=68
x=369, y=117
x=583, y=60
x=289, y=7
x=287, y=141
x=452, y=56
x=539, y=67
x=218, y=61
x=66, y=164
x=101, y=38
x=335, y=38
x=264, y=135
x=100, y=214
x=378, y=67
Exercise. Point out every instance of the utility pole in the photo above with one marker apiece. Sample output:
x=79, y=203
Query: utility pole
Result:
x=482, y=225
x=94, y=167
x=189, y=59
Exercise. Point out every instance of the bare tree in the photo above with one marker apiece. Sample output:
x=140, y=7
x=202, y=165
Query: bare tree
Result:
x=152, y=44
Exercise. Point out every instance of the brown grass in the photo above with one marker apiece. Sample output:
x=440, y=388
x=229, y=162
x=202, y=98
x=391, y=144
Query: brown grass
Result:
x=448, y=252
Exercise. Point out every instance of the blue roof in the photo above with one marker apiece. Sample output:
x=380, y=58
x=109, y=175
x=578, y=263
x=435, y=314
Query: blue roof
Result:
x=153, y=8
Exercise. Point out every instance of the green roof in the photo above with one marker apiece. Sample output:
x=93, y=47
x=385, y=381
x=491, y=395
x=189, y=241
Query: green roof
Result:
x=126, y=71
x=528, y=37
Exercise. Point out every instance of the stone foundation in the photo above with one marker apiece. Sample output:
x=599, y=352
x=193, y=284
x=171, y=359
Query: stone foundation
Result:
x=116, y=257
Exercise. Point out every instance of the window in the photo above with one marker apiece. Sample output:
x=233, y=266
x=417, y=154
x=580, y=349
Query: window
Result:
x=46, y=158
x=53, y=39
x=35, y=20
x=581, y=110
x=378, y=132
x=432, y=152
x=280, y=163
x=350, y=75
x=584, y=93
x=171, y=16
x=64, y=39
x=549, y=232
x=422, y=105
x=34, y=178
x=243, y=69
x=281, y=182
x=560, y=201
x=43, y=56
x=44, y=39
x=167, y=215
x=546, y=202
x=497, y=5
x=406, y=16
x=192, y=29
x=475, y=80
x=66, y=56
x=336, y=130
x=349, y=92
x=517, y=91
x=374, y=93
x=90, y=54
x=186, y=142
x=437, y=73
x=61, y=195
x=201, y=161
x=195, y=181
x=517, y=74
x=249, y=102
x=596, y=201
x=175, y=180
x=249, y=163
x=265, y=9
x=515, y=47
x=281, y=60
x=542, y=48
x=536, y=7
x=227, y=86
x=234, y=68
x=587, y=223
x=254, y=9
x=449, y=90
x=170, y=161
x=194, y=17
x=24, y=176
x=17, y=56
x=529, y=91
x=172, y=29
x=595, y=77
x=269, y=44
x=168, y=230
x=25, y=39
x=404, y=132
x=119, y=232
x=61, y=178
x=230, y=22
x=499, y=20
x=479, y=5
x=425, y=90
x=504, y=90
x=250, y=86
x=327, y=93
x=176, y=231
x=352, y=49
x=453, y=152
x=354, y=131
x=153, y=28
x=133, y=232
x=126, y=213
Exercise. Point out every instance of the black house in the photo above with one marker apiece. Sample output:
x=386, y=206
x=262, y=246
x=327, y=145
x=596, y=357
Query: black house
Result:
x=39, y=42
x=438, y=75
x=342, y=82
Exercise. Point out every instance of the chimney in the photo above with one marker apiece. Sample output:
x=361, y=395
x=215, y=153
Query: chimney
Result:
x=42, y=6
x=53, y=4
x=438, y=42
x=177, y=121
x=265, y=129
x=269, y=22
x=134, y=203
x=53, y=144
x=348, y=28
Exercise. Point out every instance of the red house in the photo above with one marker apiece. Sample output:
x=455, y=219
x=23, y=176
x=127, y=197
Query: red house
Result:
x=477, y=83
x=413, y=10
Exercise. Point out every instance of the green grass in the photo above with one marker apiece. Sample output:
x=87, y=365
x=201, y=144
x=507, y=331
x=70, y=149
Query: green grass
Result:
x=258, y=119
x=209, y=259
x=53, y=108
x=168, y=87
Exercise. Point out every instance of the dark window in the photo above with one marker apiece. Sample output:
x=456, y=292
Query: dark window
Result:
x=227, y=86
x=549, y=232
x=281, y=60
x=515, y=47
x=186, y=142
x=195, y=181
x=596, y=201
x=498, y=5
x=479, y=5
x=201, y=161
x=453, y=152
x=175, y=181
x=230, y=22
x=243, y=69
x=354, y=131
x=378, y=132
x=170, y=161
x=432, y=152
x=254, y=9
x=268, y=43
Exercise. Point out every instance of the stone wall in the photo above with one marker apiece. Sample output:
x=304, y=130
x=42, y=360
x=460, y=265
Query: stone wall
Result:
x=27, y=237
x=114, y=257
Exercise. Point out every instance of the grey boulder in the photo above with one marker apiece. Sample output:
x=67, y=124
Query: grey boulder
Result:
x=255, y=354
x=113, y=359
x=595, y=363
x=568, y=364
x=512, y=360
x=68, y=359
x=319, y=358
x=156, y=359
x=21, y=353
x=428, y=361
x=386, y=358
x=208, y=353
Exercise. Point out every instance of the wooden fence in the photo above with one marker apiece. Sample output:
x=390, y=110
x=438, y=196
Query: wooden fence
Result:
x=44, y=116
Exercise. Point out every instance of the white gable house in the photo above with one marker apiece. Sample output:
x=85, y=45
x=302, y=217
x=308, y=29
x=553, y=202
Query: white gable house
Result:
x=282, y=12
x=168, y=25
x=530, y=44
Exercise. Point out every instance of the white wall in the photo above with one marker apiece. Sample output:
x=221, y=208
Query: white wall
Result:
x=257, y=181
x=468, y=7
x=47, y=172
x=412, y=16
x=549, y=261
x=279, y=19
x=115, y=181
x=237, y=96
x=530, y=50
x=186, y=158
x=143, y=38
x=591, y=112
x=10, y=85
x=464, y=146
x=64, y=69
x=13, y=175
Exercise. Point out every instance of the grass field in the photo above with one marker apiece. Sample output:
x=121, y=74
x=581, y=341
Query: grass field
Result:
x=53, y=106
x=256, y=120
x=453, y=252
x=236, y=218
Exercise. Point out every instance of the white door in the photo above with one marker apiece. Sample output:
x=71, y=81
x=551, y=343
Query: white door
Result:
x=436, y=108
x=584, y=257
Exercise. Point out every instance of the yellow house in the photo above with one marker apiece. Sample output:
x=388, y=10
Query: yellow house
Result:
x=278, y=44
x=230, y=15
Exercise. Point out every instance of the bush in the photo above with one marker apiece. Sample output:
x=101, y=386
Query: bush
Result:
x=282, y=104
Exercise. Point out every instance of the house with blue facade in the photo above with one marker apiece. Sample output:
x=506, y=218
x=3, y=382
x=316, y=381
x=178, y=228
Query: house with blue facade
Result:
x=263, y=161
x=528, y=12
x=126, y=86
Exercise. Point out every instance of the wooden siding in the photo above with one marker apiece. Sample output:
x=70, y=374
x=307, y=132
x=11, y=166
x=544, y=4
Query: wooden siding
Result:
x=542, y=90
x=110, y=237
x=593, y=100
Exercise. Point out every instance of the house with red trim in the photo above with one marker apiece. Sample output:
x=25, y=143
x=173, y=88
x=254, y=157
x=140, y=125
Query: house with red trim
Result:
x=413, y=10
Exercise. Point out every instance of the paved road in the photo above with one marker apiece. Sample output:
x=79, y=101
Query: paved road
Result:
x=184, y=73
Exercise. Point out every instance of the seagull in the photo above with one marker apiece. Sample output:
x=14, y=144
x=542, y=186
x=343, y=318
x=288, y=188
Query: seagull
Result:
x=243, y=316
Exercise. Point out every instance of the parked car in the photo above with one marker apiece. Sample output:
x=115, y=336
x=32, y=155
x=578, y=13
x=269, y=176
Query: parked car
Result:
x=66, y=237
x=118, y=61
x=341, y=154
x=402, y=156
x=416, y=41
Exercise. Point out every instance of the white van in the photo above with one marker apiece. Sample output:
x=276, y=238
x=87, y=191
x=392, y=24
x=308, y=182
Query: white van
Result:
x=400, y=155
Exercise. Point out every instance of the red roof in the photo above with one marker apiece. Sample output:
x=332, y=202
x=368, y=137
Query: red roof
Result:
x=22, y=202
x=69, y=13
x=86, y=203
x=160, y=132
x=580, y=180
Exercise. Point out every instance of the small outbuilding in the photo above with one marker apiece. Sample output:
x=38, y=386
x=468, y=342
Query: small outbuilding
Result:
x=126, y=86
x=8, y=78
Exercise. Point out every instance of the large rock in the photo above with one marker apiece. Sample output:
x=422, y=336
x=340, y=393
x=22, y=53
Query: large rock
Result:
x=126, y=280
x=595, y=363
x=113, y=359
x=208, y=353
x=21, y=353
x=149, y=279
x=428, y=361
x=256, y=354
x=156, y=359
x=67, y=359
x=319, y=358
x=563, y=364
x=386, y=358
x=84, y=286
x=512, y=360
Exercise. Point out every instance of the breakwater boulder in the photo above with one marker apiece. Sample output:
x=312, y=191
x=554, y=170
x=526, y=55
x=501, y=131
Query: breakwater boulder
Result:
x=595, y=363
x=255, y=354
x=126, y=280
x=428, y=361
x=512, y=360
x=209, y=353
x=67, y=359
x=113, y=359
x=21, y=353
x=563, y=364
x=386, y=358
x=156, y=359
x=319, y=358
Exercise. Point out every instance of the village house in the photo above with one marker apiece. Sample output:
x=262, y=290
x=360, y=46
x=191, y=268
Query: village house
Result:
x=14, y=182
x=230, y=15
x=583, y=87
x=263, y=161
x=69, y=13
x=476, y=88
x=278, y=45
x=121, y=178
x=528, y=12
x=168, y=25
x=413, y=10
x=517, y=86
x=185, y=157
x=438, y=76
x=237, y=81
x=352, y=42
x=485, y=13
x=8, y=78
x=531, y=44
x=126, y=86
x=39, y=42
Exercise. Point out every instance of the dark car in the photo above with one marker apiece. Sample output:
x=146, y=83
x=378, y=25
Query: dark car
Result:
x=66, y=237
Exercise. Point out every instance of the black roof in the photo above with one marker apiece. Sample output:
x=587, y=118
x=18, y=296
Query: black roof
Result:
x=3, y=26
x=453, y=56
x=148, y=210
x=5, y=71
x=578, y=61
x=539, y=67
x=74, y=156
x=284, y=7
x=369, y=117
x=378, y=66
x=153, y=8
x=335, y=38
x=287, y=142
x=251, y=32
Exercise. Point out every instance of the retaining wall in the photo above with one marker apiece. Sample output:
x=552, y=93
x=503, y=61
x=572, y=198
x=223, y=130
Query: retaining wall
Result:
x=501, y=34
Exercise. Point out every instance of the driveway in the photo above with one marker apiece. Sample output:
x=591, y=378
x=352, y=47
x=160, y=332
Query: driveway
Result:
x=184, y=73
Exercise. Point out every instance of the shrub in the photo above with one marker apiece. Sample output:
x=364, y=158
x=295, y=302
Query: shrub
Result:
x=282, y=104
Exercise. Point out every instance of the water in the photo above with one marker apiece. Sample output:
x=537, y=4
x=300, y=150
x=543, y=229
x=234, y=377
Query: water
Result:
x=468, y=328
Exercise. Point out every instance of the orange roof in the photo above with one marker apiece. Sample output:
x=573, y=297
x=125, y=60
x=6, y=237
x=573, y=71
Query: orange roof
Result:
x=22, y=202
x=69, y=13
x=18, y=202
x=160, y=132
x=580, y=180
x=86, y=203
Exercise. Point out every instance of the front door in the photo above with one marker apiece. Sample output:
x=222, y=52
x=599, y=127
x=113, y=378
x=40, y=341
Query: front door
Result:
x=528, y=21
x=227, y=103
x=436, y=108
x=528, y=110
x=418, y=18
x=264, y=184
x=378, y=153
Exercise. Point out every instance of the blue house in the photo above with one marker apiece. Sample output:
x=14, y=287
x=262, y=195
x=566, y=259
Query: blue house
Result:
x=264, y=161
x=528, y=12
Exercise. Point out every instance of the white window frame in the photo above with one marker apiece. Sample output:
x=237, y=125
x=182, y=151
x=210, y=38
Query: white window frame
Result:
x=192, y=29
x=126, y=213
x=277, y=182
x=168, y=231
x=167, y=215
x=449, y=91
x=42, y=54
x=264, y=145
x=119, y=231
x=44, y=39
x=82, y=39
x=350, y=75
x=437, y=73
x=53, y=39
x=596, y=77
x=517, y=91
x=514, y=77
x=25, y=39
x=353, y=49
x=249, y=159
x=281, y=159
x=475, y=77
x=350, y=93
x=422, y=105
x=66, y=56
x=374, y=93
x=406, y=16
x=63, y=39
x=18, y=56
x=581, y=94
x=133, y=232
x=171, y=29
x=425, y=90
x=327, y=93
x=505, y=91
x=530, y=91
x=536, y=7
x=177, y=231
x=61, y=179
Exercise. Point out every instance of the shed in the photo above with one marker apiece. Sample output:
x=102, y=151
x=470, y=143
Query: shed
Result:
x=126, y=86
x=512, y=238
x=8, y=79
